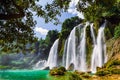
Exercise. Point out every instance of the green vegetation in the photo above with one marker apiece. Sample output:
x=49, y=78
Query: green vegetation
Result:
x=4, y=67
x=67, y=76
x=67, y=26
x=111, y=67
x=57, y=71
x=117, y=31
x=17, y=23
x=45, y=44
x=16, y=31
x=102, y=73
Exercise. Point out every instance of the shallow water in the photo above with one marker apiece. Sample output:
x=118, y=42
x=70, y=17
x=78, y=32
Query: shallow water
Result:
x=24, y=75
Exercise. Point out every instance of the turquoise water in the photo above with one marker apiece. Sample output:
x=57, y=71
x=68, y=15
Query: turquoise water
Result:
x=24, y=74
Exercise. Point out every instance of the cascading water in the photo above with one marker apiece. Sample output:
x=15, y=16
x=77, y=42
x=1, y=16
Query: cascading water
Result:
x=53, y=54
x=75, y=50
x=64, y=54
x=40, y=65
x=77, y=58
x=99, y=54
x=92, y=33
x=71, y=49
x=81, y=56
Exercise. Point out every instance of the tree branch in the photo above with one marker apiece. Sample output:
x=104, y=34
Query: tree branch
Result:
x=13, y=15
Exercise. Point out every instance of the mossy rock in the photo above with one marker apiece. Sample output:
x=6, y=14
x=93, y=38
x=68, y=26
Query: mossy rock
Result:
x=103, y=73
x=62, y=68
x=57, y=71
x=115, y=71
x=73, y=76
x=86, y=75
x=112, y=63
x=66, y=76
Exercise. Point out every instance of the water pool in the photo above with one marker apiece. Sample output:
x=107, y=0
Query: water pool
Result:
x=24, y=75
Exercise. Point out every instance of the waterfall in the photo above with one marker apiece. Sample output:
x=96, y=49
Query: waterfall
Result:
x=40, y=65
x=64, y=54
x=81, y=57
x=73, y=54
x=99, y=51
x=92, y=33
x=71, y=49
x=52, y=58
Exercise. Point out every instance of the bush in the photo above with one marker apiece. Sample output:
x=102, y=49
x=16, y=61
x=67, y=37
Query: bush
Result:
x=117, y=31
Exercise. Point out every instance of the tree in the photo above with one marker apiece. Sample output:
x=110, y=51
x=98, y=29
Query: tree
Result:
x=17, y=24
x=46, y=44
x=68, y=25
x=97, y=9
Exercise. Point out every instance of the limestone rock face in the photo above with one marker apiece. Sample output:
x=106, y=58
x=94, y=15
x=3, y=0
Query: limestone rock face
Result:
x=113, y=49
x=116, y=49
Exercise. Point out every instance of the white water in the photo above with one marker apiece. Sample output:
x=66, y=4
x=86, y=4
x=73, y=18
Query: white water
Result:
x=99, y=51
x=40, y=65
x=73, y=55
x=64, y=54
x=53, y=54
x=81, y=57
x=71, y=49
x=92, y=33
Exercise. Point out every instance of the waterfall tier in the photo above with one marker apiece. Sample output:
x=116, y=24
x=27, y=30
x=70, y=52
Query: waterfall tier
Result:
x=53, y=54
x=99, y=50
x=76, y=55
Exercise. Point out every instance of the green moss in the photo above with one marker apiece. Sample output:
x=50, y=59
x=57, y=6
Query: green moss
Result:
x=58, y=71
x=89, y=45
x=115, y=71
x=111, y=63
x=67, y=76
x=61, y=47
x=102, y=73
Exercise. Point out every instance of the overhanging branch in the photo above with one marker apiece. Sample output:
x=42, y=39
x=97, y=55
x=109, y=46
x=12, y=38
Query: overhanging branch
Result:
x=13, y=15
